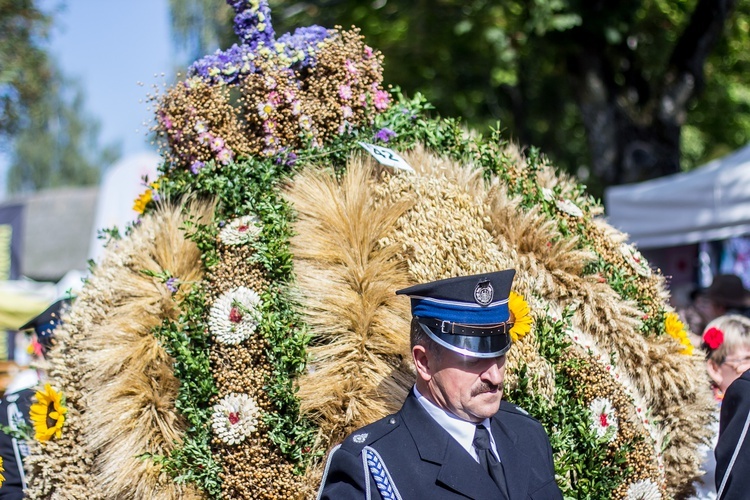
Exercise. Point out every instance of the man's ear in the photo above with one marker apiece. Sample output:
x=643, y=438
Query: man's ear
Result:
x=714, y=372
x=422, y=358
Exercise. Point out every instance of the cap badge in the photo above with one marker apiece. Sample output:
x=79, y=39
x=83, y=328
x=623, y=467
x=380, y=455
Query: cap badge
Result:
x=483, y=293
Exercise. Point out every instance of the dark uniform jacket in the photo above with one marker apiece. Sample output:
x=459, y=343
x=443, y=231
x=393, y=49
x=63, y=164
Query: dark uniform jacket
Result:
x=14, y=410
x=419, y=460
x=734, y=418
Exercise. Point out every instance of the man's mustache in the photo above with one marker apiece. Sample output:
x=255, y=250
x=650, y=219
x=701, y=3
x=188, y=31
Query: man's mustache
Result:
x=485, y=387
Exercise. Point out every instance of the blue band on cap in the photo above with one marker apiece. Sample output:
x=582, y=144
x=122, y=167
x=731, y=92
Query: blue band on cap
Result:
x=468, y=314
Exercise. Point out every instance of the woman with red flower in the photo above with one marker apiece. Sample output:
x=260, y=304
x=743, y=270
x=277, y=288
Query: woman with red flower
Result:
x=727, y=343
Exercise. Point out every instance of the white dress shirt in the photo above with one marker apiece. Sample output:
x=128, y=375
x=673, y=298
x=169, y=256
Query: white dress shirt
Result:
x=460, y=430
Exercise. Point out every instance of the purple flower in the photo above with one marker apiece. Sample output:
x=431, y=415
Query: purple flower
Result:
x=385, y=134
x=225, y=66
x=172, y=284
x=253, y=24
x=302, y=46
x=286, y=157
x=197, y=166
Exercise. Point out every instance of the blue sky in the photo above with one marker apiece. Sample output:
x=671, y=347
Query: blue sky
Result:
x=109, y=47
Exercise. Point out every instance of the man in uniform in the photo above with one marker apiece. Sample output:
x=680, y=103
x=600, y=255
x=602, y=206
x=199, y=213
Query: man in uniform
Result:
x=453, y=437
x=17, y=400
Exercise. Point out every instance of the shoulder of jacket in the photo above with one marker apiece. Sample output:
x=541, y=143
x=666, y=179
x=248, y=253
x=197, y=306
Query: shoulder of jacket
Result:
x=510, y=408
x=368, y=435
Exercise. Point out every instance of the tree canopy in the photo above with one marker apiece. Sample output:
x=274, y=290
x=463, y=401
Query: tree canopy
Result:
x=25, y=68
x=59, y=146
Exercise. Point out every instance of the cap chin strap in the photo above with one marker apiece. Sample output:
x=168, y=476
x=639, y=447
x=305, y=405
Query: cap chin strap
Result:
x=453, y=328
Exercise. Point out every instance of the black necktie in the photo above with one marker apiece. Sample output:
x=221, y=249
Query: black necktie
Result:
x=487, y=459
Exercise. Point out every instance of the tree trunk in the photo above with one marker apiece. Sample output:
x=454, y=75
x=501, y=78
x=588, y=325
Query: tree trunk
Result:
x=631, y=135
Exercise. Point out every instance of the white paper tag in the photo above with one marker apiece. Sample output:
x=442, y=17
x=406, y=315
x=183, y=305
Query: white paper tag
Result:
x=386, y=156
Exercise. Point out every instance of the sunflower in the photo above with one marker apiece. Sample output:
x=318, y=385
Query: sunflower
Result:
x=676, y=329
x=139, y=205
x=521, y=316
x=48, y=414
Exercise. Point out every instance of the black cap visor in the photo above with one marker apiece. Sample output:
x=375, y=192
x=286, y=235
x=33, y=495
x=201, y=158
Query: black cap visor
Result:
x=476, y=346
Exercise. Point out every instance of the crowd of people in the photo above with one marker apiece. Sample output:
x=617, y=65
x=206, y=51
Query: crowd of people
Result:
x=719, y=321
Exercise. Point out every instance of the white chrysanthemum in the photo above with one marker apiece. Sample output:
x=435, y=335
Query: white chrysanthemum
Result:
x=234, y=418
x=603, y=419
x=569, y=208
x=644, y=489
x=240, y=230
x=635, y=259
x=234, y=315
x=548, y=194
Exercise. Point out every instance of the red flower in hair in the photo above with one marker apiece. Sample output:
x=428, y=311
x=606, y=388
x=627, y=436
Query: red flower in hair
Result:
x=713, y=338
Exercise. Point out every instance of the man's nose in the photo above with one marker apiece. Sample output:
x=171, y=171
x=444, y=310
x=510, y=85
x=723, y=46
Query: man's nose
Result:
x=494, y=373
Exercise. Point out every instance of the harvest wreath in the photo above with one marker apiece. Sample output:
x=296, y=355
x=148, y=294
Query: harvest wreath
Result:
x=247, y=322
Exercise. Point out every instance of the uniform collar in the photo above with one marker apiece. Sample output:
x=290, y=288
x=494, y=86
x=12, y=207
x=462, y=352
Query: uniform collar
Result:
x=460, y=430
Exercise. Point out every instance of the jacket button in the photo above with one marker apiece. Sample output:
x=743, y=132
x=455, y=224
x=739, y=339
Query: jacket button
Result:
x=392, y=421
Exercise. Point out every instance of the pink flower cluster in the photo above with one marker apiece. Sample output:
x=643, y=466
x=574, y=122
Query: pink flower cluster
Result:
x=217, y=145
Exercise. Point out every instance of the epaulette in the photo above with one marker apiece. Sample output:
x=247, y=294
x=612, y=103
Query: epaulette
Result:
x=370, y=433
x=514, y=409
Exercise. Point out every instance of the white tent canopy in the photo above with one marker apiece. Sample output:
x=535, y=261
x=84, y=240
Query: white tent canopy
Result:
x=709, y=203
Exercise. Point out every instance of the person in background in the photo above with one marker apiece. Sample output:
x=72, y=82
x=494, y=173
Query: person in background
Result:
x=727, y=342
x=726, y=295
x=690, y=304
x=18, y=398
x=453, y=437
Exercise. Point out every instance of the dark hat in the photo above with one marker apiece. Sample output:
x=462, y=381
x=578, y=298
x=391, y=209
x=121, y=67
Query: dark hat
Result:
x=728, y=290
x=467, y=314
x=45, y=323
